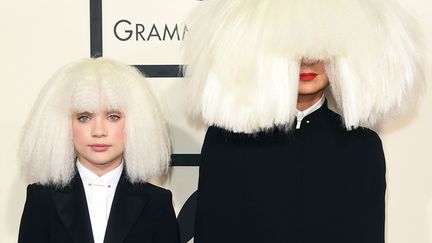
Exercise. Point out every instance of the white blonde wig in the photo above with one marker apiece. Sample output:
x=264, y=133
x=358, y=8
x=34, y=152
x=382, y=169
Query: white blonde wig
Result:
x=244, y=56
x=93, y=85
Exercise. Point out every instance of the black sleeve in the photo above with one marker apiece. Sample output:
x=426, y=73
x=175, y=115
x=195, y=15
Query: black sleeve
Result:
x=166, y=221
x=367, y=189
x=34, y=220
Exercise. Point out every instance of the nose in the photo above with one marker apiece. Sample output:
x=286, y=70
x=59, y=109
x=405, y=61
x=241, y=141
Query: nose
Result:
x=99, y=128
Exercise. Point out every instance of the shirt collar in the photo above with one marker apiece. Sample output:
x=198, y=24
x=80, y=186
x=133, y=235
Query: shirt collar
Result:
x=301, y=114
x=111, y=178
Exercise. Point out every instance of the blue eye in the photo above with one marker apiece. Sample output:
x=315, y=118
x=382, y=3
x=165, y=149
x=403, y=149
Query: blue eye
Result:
x=83, y=118
x=113, y=117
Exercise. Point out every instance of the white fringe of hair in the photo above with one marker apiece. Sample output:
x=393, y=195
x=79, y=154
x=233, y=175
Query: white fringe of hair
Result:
x=243, y=59
x=47, y=150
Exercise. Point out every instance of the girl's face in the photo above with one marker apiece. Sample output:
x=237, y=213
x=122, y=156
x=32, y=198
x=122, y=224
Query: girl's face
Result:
x=99, y=139
x=313, y=80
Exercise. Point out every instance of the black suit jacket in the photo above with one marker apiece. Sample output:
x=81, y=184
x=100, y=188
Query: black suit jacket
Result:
x=320, y=183
x=140, y=212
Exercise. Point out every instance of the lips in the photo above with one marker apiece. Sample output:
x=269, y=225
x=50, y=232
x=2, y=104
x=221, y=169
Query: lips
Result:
x=307, y=76
x=99, y=147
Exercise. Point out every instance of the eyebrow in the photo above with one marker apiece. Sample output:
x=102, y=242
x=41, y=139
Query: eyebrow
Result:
x=114, y=111
x=83, y=113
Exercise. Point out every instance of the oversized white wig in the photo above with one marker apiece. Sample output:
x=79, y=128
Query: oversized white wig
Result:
x=244, y=56
x=93, y=85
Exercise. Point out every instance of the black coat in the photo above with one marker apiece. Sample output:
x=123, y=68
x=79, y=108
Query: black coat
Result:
x=319, y=184
x=140, y=212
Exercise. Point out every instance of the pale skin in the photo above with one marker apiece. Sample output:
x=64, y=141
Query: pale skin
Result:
x=309, y=92
x=99, y=140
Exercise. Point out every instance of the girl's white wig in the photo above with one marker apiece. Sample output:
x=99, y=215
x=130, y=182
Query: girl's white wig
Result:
x=244, y=56
x=93, y=85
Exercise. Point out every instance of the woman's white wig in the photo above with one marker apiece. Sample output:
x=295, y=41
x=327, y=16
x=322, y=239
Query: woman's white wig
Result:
x=244, y=56
x=93, y=85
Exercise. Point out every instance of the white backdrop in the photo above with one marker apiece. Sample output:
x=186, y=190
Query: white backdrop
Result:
x=38, y=37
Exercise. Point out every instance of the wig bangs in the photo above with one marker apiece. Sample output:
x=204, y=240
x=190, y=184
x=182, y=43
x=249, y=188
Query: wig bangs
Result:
x=97, y=89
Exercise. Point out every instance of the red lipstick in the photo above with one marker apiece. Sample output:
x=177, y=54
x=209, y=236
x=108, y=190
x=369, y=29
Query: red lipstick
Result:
x=307, y=76
x=99, y=147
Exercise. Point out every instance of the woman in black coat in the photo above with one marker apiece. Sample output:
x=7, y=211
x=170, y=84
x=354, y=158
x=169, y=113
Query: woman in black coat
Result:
x=277, y=165
x=316, y=182
x=92, y=141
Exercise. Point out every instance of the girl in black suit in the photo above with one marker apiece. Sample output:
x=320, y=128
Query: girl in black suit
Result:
x=92, y=141
x=277, y=165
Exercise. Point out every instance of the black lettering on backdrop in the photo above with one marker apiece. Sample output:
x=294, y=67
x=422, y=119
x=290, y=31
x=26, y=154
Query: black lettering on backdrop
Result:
x=124, y=30
x=185, y=30
x=154, y=33
x=139, y=28
x=171, y=35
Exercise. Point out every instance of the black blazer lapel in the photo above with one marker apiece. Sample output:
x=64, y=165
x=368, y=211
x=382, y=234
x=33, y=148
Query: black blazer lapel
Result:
x=128, y=203
x=71, y=206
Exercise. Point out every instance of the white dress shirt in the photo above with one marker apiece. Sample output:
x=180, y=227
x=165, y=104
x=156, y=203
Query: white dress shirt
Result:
x=301, y=114
x=99, y=191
